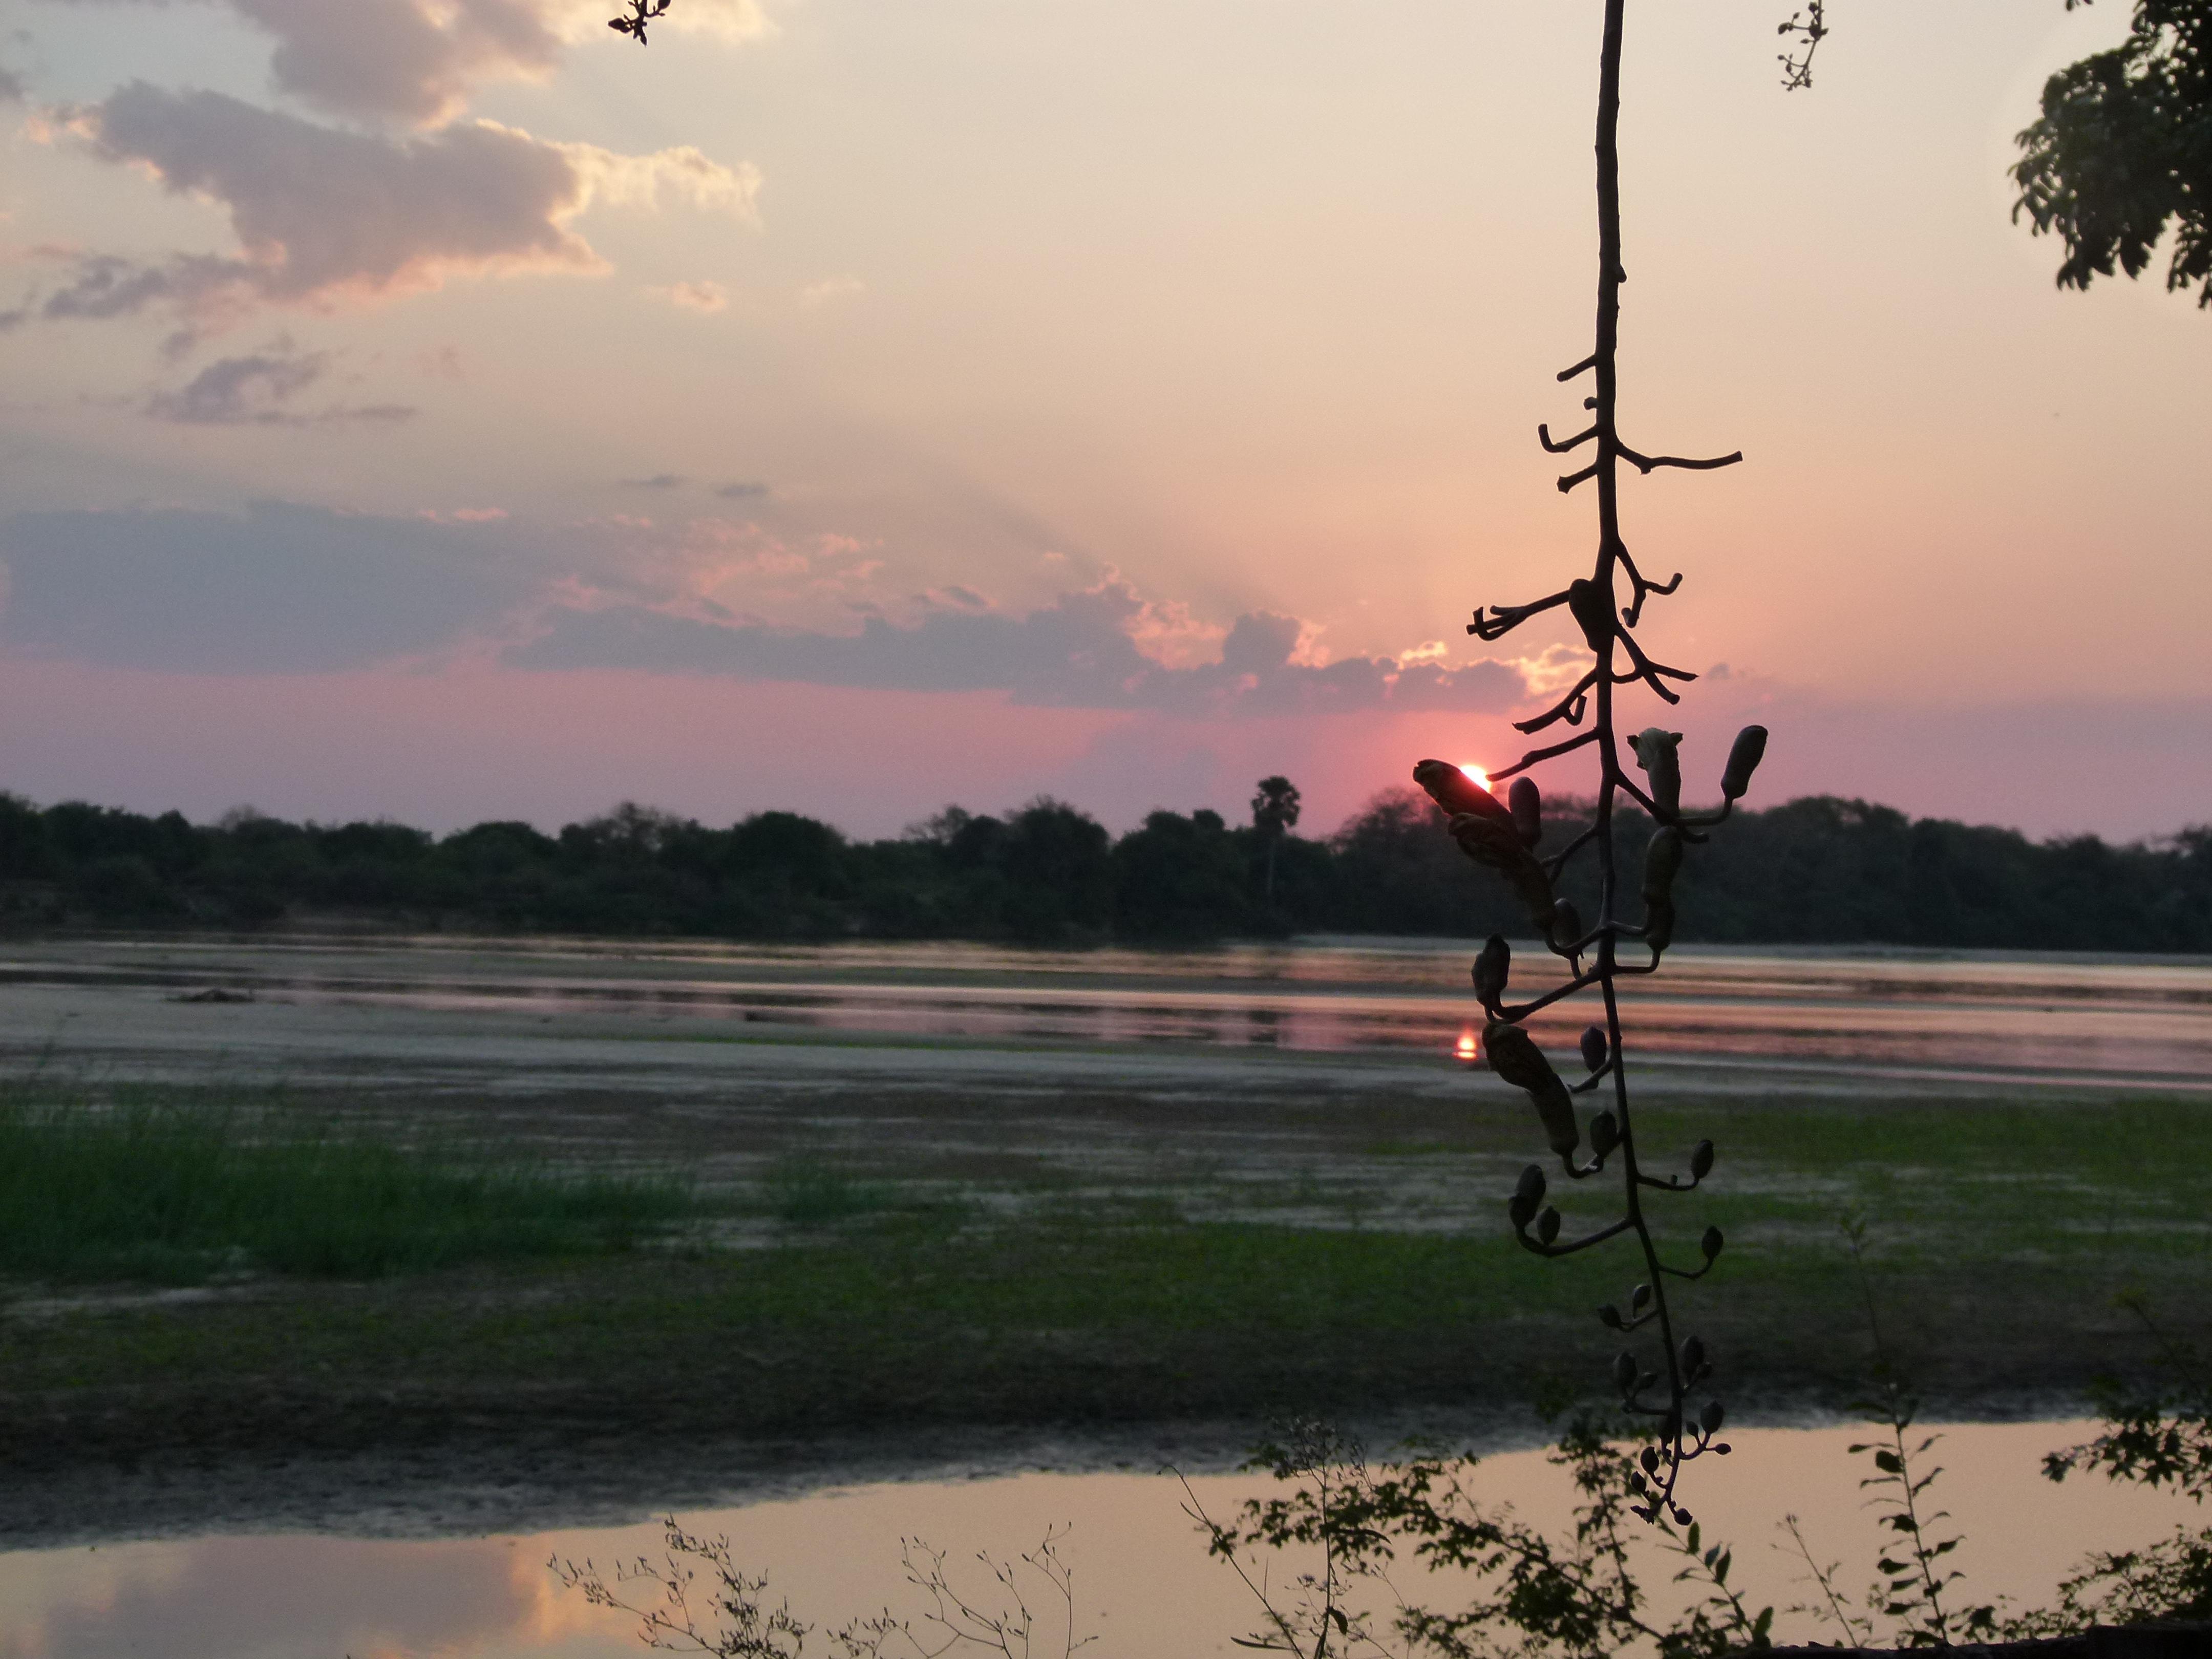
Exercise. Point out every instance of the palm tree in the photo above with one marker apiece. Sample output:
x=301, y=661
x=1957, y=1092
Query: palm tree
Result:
x=1274, y=814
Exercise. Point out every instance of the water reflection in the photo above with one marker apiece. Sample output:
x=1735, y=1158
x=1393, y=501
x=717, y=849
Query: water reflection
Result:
x=1886, y=1013
x=1142, y=1580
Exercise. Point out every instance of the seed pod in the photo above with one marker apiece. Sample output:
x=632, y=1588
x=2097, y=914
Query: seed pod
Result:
x=1533, y=889
x=1648, y=1457
x=1456, y=792
x=1547, y=1225
x=1605, y=1133
x=1710, y=1243
x=1662, y=857
x=1624, y=1371
x=1659, y=924
x=1659, y=753
x=1567, y=924
x=1701, y=1160
x=1638, y=1297
x=1682, y=1517
x=1592, y=609
x=1486, y=841
x=1514, y=1055
x=1609, y=1317
x=1712, y=1416
x=1491, y=968
x=1526, y=802
x=1595, y=1048
x=1744, y=757
x=1693, y=1357
x=1520, y=1209
x=1495, y=844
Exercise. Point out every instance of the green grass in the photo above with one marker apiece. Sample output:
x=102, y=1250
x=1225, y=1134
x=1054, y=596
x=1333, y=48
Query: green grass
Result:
x=2000, y=1232
x=178, y=1191
x=804, y=1191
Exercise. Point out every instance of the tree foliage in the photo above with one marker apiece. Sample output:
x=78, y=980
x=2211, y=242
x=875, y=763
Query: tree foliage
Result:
x=1812, y=872
x=2123, y=150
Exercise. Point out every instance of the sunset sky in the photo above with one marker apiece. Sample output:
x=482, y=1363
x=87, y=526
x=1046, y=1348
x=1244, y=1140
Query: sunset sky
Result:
x=446, y=409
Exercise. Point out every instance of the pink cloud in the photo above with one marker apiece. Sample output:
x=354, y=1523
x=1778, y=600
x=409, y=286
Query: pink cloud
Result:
x=416, y=61
x=325, y=218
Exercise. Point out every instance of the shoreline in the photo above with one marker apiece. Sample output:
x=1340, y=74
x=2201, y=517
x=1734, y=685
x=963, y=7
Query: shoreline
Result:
x=491, y=1485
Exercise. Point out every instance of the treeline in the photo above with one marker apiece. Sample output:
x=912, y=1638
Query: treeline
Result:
x=1816, y=871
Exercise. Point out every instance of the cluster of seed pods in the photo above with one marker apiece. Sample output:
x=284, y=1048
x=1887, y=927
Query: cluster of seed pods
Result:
x=1504, y=836
x=1642, y=767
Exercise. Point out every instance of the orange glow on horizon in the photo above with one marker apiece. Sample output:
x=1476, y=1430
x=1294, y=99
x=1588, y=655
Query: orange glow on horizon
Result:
x=1467, y=1047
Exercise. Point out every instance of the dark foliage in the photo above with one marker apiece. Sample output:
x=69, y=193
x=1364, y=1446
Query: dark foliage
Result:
x=2124, y=148
x=1816, y=871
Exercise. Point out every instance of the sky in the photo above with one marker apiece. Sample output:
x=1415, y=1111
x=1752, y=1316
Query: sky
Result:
x=447, y=409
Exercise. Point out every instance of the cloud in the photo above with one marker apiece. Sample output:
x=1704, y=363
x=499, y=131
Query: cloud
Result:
x=397, y=57
x=706, y=298
x=11, y=86
x=1080, y=650
x=278, y=589
x=257, y=390
x=830, y=289
x=658, y=481
x=325, y=218
x=683, y=172
x=296, y=589
x=416, y=62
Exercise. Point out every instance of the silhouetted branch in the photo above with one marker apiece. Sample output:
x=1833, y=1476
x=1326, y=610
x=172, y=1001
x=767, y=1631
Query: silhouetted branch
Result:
x=1539, y=1248
x=1568, y=709
x=1507, y=617
x=641, y=12
x=1520, y=1011
x=1645, y=588
x=1536, y=755
x=1558, y=861
x=1811, y=22
x=1645, y=464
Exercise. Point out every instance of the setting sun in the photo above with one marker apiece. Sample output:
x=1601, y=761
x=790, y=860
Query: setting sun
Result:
x=1466, y=1047
x=1481, y=778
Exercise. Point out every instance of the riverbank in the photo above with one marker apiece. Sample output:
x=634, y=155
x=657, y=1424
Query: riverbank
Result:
x=869, y=1208
x=1006, y=1279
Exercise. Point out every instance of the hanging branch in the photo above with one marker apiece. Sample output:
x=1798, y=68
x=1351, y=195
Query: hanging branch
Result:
x=641, y=12
x=1504, y=838
x=1811, y=24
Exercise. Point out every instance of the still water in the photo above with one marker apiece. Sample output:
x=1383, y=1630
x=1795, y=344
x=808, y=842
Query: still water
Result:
x=1143, y=1585
x=2099, y=1021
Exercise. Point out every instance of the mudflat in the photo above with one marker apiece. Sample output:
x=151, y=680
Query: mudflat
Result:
x=910, y=1247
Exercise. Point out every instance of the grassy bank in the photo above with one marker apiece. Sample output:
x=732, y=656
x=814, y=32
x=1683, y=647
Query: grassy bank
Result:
x=151, y=1187
x=874, y=1284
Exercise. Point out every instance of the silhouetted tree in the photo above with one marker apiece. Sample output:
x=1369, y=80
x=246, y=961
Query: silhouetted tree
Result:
x=1183, y=878
x=1274, y=815
x=1815, y=871
x=2124, y=148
